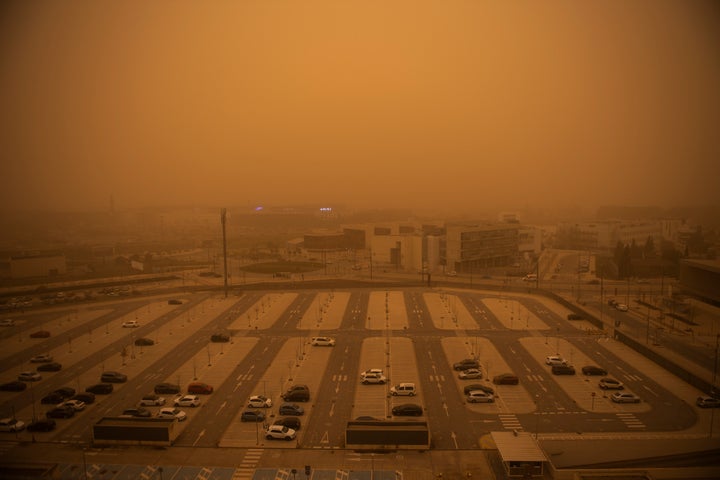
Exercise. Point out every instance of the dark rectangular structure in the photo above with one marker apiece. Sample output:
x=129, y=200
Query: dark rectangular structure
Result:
x=134, y=431
x=380, y=435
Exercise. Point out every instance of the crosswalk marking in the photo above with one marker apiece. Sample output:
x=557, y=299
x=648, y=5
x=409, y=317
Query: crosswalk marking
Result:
x=246, y=469
x=510, y=421
x=630, y=420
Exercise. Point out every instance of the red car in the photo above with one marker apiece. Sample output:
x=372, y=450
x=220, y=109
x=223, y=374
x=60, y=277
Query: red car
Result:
x=40, y=334
x=199, y=387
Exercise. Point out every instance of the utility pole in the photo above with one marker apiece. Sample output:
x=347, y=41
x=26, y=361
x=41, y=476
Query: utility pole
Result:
x=223, y=213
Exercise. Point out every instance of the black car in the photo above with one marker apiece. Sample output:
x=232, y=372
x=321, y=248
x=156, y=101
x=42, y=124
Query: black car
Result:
x=563, y=370
x=478, y=386
x=290, y=422
x=466, y=364
x=593, y=370
x=41, y=425
x=86, y=397
x=16, y=386
x=252, y=416
x=174, y=301
x=67, y=392
x=144, y=342
x=50, y=367
x=53, y=398
x=220, y=338
x=60, y=412
x=288, y=408
x=407, y=410
x=100, y=388
x=113, y=377
x=167, y=388
x=137, y=412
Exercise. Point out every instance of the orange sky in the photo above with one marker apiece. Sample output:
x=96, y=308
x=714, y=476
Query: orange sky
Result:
x=456, y=104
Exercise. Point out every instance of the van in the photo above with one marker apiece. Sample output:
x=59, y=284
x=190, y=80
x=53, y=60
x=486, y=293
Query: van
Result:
x=403, y=389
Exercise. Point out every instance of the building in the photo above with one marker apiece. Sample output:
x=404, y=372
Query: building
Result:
x=48, y=264
x=471, y=247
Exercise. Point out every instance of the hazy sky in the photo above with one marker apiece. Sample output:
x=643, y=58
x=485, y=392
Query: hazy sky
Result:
x=368, y=103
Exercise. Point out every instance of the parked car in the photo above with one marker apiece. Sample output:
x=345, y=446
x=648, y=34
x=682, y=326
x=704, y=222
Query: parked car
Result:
x=166, y=388
x=137, y=412
x=41, y=425
x=478, y=386
x=172, y=412
x=290, y=422
x=52, y=398
x=373, y=378
x=371, y=371
x=621, y=307
x=7, y=322
x=219, y=338
x=113, y=377
x=252, y=416
x=707, y=402
x=470, y=373
x=187, y=401
x=407, y=410
x=479, y=396
x=279, y=432
x=76, y=405
x=11, y=425
x=297, y=393
x=40, y=334
x=66, y=392
x=174, y=301
x=100, y=388
x=563, y=370
x=555, y=360
x=200, y=388
x=86, y=397
x=14, y=386
x=131, y=324
x=624, y=397
x=403, y=389
x=152, y=400
x=288, y=408
x=506, y=379
x=49, y=367
x=466, y=364
x=144, y=342
x=323, y=341
x=60, y=412
x=608, y=383
x=29, y=377
x=259, y=401
x=593, y=370
x=42, y=358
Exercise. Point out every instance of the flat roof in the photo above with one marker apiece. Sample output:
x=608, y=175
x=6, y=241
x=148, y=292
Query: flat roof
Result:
x=518, y=447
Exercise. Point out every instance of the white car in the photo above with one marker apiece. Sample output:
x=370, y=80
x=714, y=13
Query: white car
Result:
x=470, y=373
x=624, y=397
x=323, y=341
x=478, y=396
x=187, y=401
x=172, y=412
x=152, y=400
x=555, y=360
x=131, y=324
x=279, y=432
x=259, y=401
x=7, y=322
x=11, y=425
x=29, y=377
x=370, y=371
x=77, y=405
x=621, y=306
x=42, y=358
x=376, y=378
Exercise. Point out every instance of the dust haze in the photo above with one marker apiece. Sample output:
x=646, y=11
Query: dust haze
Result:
x=401, y=103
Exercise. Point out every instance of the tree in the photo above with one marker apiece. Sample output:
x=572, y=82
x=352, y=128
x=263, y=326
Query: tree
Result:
x=649, y=250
